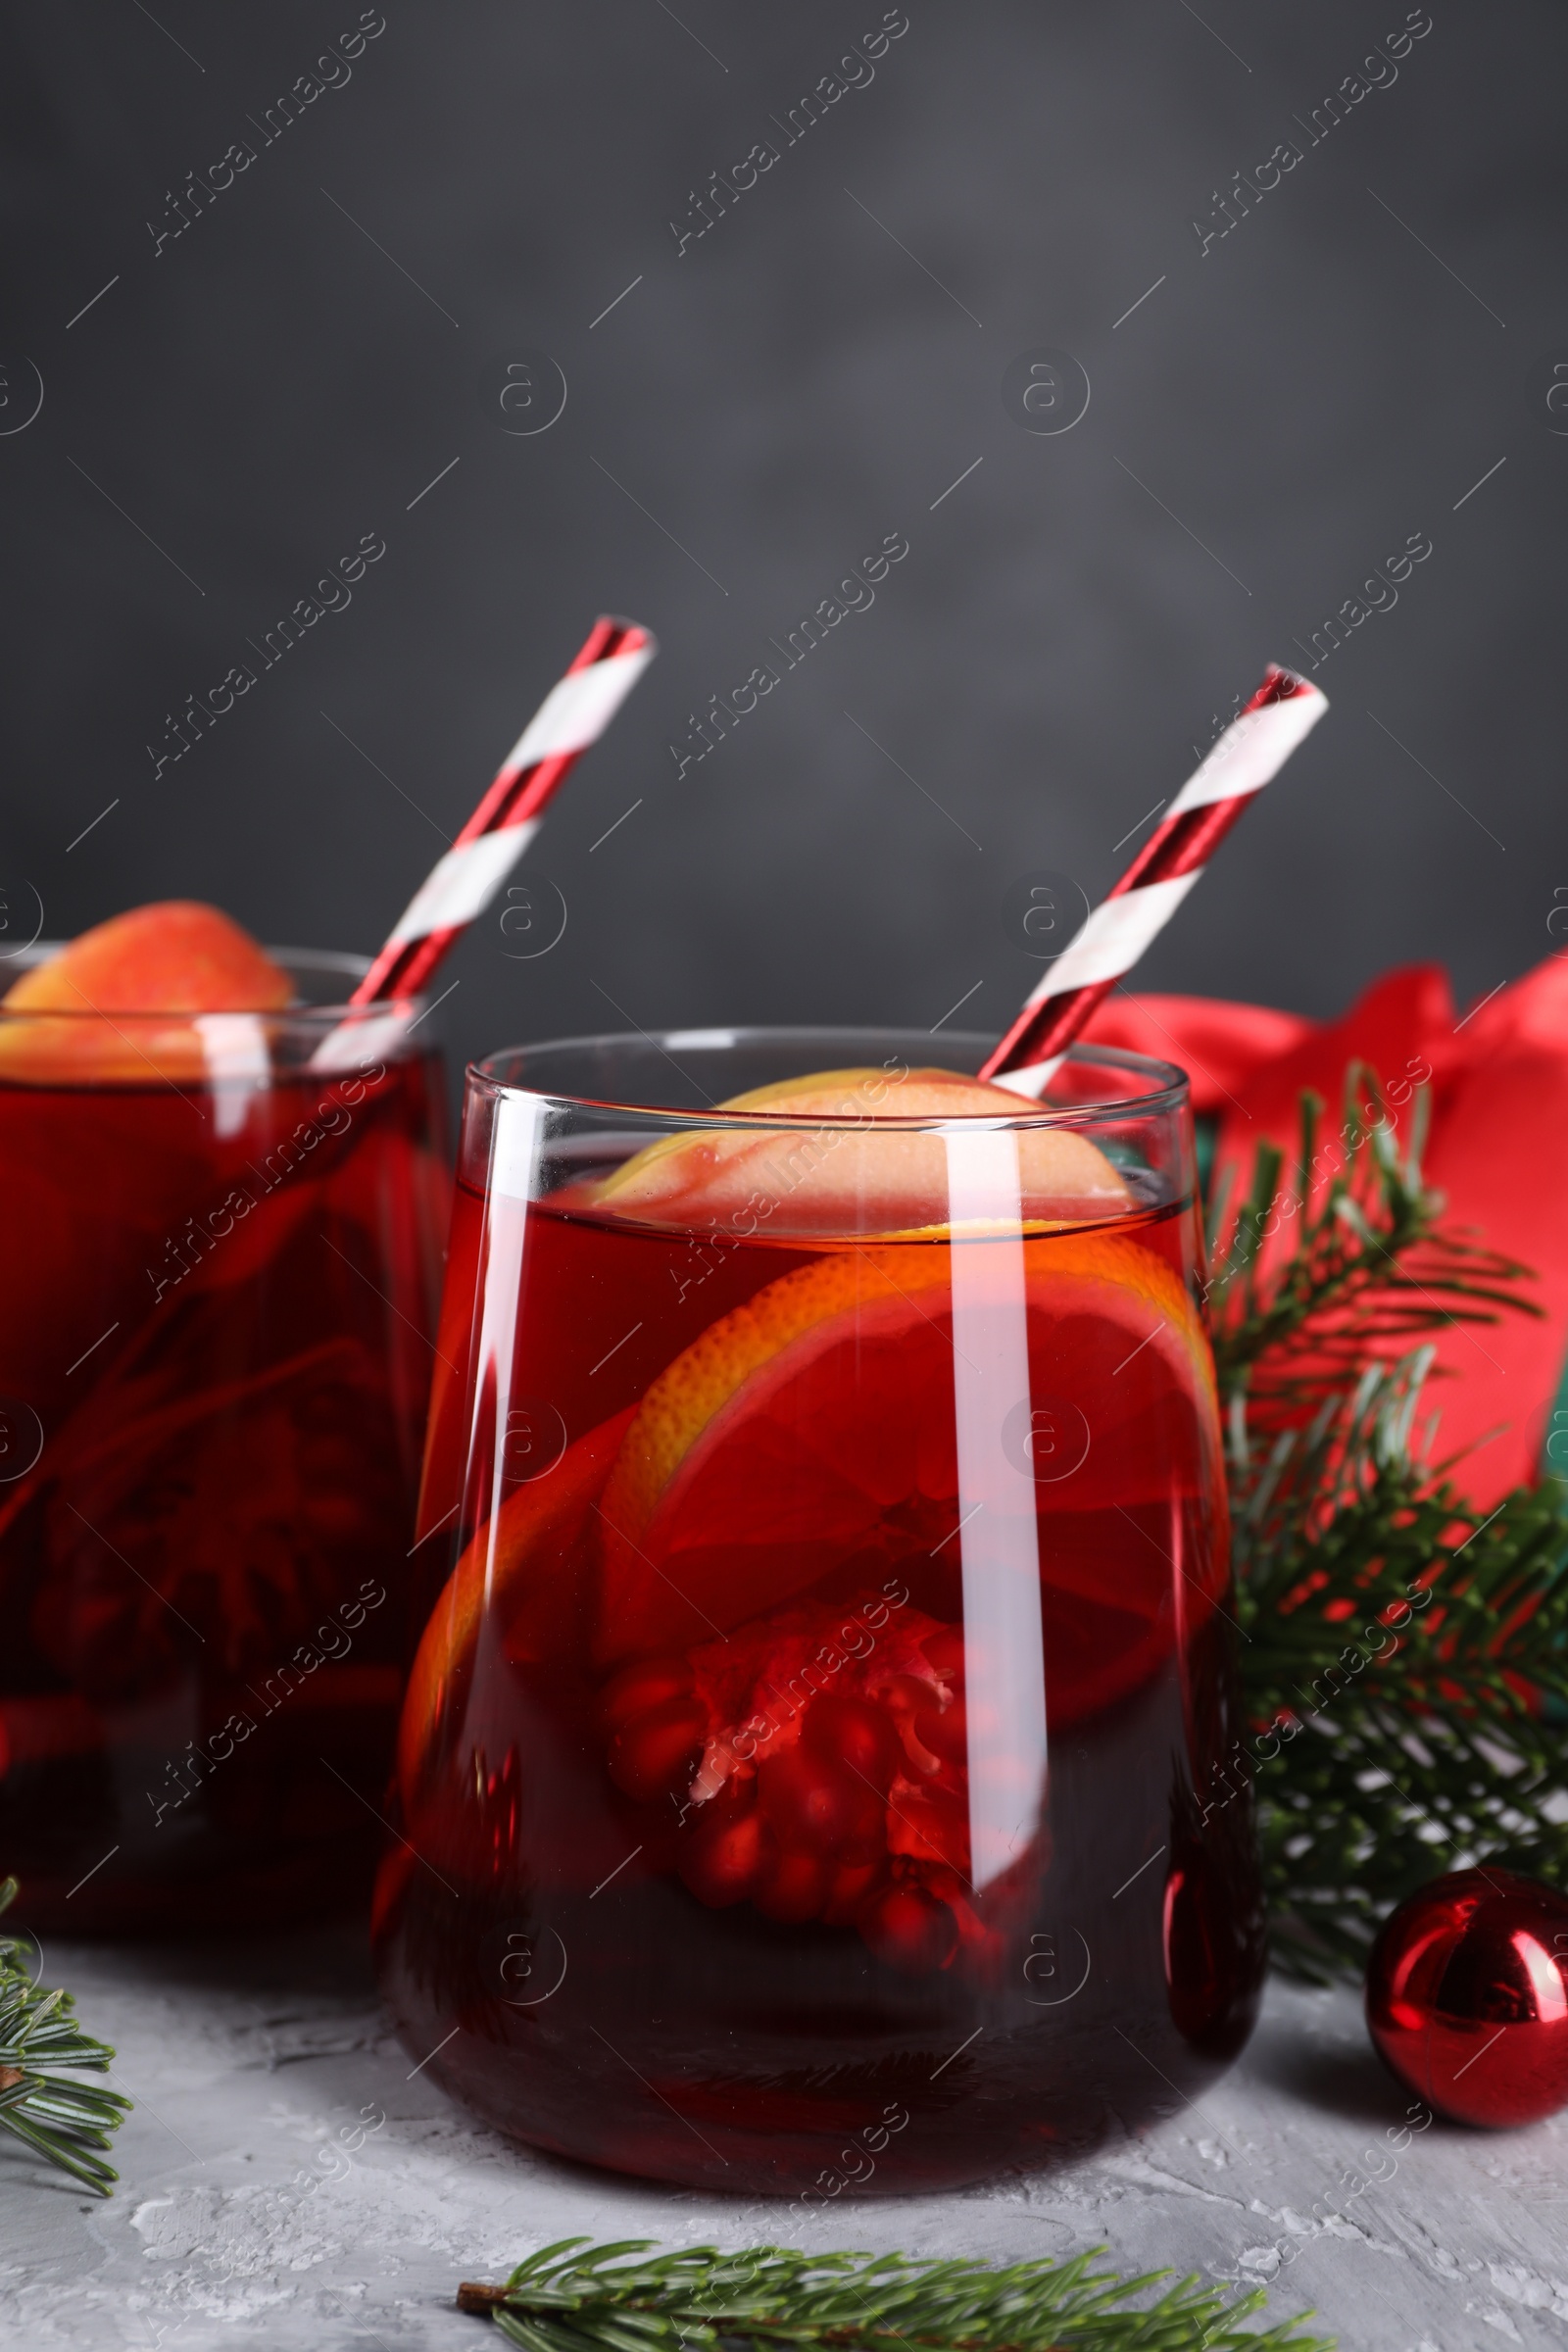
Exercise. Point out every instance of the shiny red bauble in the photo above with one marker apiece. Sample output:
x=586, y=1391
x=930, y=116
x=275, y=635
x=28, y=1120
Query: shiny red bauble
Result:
x=1467, y=1997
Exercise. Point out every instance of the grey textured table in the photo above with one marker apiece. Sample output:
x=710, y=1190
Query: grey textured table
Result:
x=250, y=2067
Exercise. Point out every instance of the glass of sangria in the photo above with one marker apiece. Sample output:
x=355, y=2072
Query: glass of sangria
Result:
x=214, y=1360
x=810, y=1775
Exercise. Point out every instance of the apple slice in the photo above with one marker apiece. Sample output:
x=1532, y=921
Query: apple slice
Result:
x=838, y=1174
x=109, y=1007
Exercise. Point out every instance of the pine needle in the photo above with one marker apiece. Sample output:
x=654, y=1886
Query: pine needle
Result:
x=1369, y=1269
x=55, y=2117
x=564, y=2300
x=1406, y=1656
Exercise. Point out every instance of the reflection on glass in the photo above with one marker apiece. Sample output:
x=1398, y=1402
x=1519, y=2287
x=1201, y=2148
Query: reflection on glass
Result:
x=816, y=1717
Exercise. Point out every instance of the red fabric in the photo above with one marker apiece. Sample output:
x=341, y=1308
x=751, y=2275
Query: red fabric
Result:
x=1499, y=1141
x=1219, y=1044
x=1498, y=1151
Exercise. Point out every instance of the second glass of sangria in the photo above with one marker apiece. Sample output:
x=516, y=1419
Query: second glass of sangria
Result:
x=215, y=1354
x=807, y=1778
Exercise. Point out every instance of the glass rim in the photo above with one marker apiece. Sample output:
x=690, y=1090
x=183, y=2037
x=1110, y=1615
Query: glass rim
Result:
x=341, y=961
x=1168, y=1091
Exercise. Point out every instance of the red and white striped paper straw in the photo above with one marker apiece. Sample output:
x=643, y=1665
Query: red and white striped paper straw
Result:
x=573, y=714
x=461, y=885
x=1252, y=750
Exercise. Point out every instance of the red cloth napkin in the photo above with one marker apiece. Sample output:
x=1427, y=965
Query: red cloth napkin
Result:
x=1497, y=1150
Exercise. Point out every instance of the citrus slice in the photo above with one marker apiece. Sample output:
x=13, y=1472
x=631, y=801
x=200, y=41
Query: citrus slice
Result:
x=173, y=958
x=815, y=1424
x=837, y=1169
x=521, y=1571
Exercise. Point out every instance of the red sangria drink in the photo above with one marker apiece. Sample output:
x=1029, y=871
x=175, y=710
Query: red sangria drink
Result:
x=226, y=1217
x=811, y=1771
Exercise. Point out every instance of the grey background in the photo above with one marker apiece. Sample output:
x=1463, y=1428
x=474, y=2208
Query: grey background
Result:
x=1278, y=415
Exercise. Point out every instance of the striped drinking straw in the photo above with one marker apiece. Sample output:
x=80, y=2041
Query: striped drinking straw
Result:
x=573, y=714
x=461, y=885
x=1254, y=748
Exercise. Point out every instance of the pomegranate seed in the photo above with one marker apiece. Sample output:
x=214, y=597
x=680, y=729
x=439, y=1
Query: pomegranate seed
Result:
x=944, y=1731
x=657, y=1751
x=813, y=1803
x=795, y=1886
x=911, y=1931
x=852, y=1883
x=854, y=1731
x=944, y=1650
x=725, y=1853
x=648, y=1684
x=867, y=1837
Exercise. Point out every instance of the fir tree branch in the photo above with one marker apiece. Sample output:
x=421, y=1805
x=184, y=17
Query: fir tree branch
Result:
x=563, y=2299
x=1404, y=1654
x=1407, y=1675
x=59, y=2119
x=1368, y=1269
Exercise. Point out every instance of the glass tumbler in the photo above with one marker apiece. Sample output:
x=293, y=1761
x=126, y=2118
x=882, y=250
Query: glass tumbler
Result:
x=215, y=1357
x=806, y=1777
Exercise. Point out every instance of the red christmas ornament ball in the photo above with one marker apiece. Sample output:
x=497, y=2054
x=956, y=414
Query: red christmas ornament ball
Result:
x=1467, y=1997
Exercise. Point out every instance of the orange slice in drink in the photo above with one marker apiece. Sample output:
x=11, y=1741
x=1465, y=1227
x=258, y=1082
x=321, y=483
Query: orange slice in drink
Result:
x=518, y=1570
x=815, y=1424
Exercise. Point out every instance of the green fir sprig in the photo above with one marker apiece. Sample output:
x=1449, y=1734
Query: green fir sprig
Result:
x=1405, y=1662
x=57, y=2117
x=1369, y=1269
x=563, y=2299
